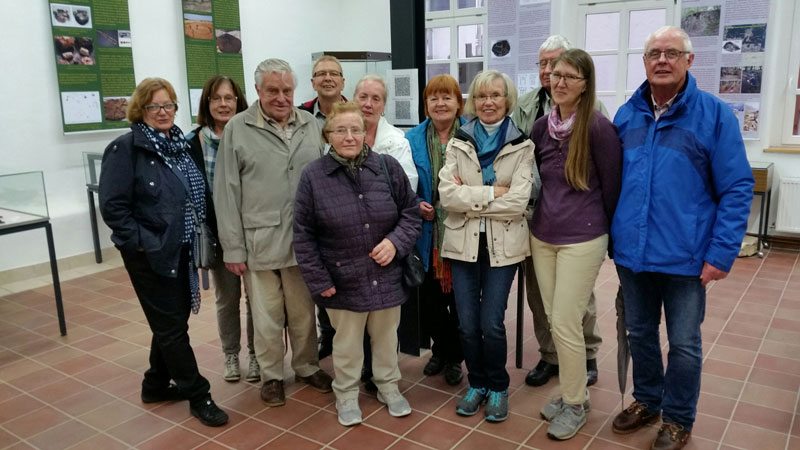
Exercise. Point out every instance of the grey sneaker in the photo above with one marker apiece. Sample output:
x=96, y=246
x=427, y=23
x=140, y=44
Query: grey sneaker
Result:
x=553, y=408
x=496, y=406
x=231, y=368
x=567, y=422
x=471, y=402
x=253, y=370
x=397, y=404
x=349, y=412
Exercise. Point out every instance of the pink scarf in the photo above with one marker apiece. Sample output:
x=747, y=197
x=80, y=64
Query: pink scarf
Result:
x=560, y=130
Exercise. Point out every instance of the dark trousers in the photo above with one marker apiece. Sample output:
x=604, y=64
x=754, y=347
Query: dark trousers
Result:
x=166, y=303
x=440, y=319
x=326, y=330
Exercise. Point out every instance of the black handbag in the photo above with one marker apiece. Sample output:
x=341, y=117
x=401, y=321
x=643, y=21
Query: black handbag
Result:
x=413, y=268
x=205, y=244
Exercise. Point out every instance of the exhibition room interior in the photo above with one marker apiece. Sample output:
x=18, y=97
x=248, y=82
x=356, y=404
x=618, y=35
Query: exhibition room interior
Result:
x=73, y=338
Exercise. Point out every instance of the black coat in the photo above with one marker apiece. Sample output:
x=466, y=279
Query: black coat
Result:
x=142, y=201
x=196, y=152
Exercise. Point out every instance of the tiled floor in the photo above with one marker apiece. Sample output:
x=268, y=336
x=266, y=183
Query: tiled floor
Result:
x=81, y=391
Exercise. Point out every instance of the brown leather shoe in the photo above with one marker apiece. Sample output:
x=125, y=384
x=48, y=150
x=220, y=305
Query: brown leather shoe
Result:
x=272, y=393
x=318, y=380
x=671, y=436
x=632, y=418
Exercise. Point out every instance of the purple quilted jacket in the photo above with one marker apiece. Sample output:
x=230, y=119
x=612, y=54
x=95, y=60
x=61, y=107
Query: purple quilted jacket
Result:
x=339, y=219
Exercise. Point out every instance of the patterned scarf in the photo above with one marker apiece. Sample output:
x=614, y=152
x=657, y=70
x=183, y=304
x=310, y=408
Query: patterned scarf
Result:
x=351, y=165
x=488, y=148
x=441, y=267
x=210, y=143
x=174, y=151
x=560, y=130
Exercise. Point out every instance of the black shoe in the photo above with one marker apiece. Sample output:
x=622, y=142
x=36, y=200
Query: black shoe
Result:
x=591, y=372
x=209, y=413
x=167, y=394
x=325, y=347
x=434, y=367
x=366, y=378
x=453, y=374
x=541, y=374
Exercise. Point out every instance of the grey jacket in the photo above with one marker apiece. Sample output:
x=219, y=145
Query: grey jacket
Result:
x=524, y=113
x=255, y=181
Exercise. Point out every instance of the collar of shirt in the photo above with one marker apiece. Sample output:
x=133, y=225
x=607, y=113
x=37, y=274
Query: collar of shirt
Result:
x=658, y=111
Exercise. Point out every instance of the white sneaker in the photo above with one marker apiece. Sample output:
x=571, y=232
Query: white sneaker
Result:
x=349, y=412
x=253, y=370
x=567, y=422
x=397, y=404
x=551, y=410
x=231, y=368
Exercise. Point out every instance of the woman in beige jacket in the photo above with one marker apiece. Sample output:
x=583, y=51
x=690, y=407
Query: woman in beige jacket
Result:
x=484, y=186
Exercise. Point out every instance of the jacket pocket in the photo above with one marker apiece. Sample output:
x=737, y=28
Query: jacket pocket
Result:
x=515, y=237
x=455, y=232
x=260, y=228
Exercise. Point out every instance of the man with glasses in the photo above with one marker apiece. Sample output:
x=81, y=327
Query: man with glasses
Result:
x=328, y=81
x=261, y=155
x=679, y=223
x=532, y=106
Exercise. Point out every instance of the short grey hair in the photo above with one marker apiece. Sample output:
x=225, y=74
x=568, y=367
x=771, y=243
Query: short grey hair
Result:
x=324, y=58
x=555, y=42
x=687, y=41
x=373, y=77
x=483, y=79
x=273, y=65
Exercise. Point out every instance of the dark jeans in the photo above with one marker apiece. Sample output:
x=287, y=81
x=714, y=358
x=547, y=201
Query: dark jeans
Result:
x=675, y=392
x=481, y=294
x=167, y=303
x=440, y=319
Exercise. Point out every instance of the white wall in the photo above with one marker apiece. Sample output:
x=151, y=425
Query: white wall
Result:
x=30, y=115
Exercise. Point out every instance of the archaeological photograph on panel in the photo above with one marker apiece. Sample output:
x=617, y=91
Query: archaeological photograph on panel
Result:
x=730, y=80
x=197, y=26
x=229, y=41
x=197, y=5
x=74, y=50
x=701, y=20
x=753, y=37
x=751, y=79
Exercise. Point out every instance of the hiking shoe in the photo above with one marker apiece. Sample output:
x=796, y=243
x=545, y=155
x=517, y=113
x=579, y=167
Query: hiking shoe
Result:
x=496, y=406
x=552, y=409
x=209, y=413
x=434, y=367
x=253, y=370
x=349, y=412
x=453, y=374
x=397, y=404
x=567, y=422
x=231, y=368
x=471, y=402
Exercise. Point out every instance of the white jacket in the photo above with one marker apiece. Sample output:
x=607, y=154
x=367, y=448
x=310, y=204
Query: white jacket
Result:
x=390, y=140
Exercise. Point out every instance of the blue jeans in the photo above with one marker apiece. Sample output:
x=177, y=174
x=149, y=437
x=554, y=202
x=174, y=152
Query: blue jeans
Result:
x=675, y=392
x=481, y=293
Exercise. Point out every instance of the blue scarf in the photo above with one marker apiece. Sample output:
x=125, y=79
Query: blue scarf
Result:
x=488, y=148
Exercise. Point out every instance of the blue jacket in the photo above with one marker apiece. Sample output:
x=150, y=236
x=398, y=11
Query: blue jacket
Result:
x=419, y=150
x=686, y=185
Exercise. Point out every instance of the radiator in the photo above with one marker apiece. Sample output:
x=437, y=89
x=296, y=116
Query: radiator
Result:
x=788, y=216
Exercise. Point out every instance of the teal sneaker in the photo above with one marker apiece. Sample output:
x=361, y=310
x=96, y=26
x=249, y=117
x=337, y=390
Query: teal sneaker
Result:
x=471, y=402
x=497, y=406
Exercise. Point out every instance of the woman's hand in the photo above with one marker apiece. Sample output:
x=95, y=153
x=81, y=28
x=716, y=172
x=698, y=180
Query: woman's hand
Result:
x=383, y=253
x=500, y=191
x=330, y=292
x=428, y=213
x=458, y=180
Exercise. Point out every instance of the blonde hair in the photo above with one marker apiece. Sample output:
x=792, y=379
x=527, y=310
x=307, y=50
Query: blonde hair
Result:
x=324, y=58
x=143, y=94
x=484, y=79
x=339, y=109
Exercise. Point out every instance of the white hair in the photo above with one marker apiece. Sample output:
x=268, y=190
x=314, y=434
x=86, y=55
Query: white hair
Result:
x=273, y=65
x=687, y=41
x=372, y=77
x=555, y=42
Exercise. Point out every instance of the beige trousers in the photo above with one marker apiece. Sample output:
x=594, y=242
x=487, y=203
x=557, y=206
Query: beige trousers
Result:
x=348, y=349
x=566, y=275
x=277, y=298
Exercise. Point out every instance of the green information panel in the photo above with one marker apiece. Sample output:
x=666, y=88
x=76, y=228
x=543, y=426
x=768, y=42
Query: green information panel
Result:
x=94, y=62
x=213, y=40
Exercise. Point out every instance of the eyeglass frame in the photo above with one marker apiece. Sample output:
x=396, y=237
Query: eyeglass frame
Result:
x=232, y=99
x=494, y=97
x=344, y=132
x=155, y=109
x=569, y=79
x=651, y=54
x=324, y=73
x=545, y=63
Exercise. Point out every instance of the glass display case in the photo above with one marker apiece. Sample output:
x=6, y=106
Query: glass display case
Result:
x=91, y=172
x=357, y=64
x=22, y=199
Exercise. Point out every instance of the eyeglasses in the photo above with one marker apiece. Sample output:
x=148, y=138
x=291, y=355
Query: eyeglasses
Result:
x=325, y=73
x=342, y=132
x=545, y=63
x=671, y=54
x=569, y=79
x=155, y=109
x=494, y=97
x=229, y=99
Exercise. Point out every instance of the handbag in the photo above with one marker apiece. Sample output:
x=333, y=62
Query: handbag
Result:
x=205, y=244
x=413, y=268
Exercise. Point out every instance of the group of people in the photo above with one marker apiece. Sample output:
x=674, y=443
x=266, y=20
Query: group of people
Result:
x=321, y=203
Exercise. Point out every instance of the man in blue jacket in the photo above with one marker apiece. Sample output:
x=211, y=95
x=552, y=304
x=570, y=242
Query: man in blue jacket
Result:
x=679, y=223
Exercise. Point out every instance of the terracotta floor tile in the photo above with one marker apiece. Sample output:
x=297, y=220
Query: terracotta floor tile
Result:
x=725, y=369
x=760, y=416
x=111, y=414
x=62, y=436
x=83, y=402
x=99, y=442
x=738, y=341
x=395, y=425
x=516, y=428
x=709, y=427
x=6, y=439
x=782, y=349
x=770, y=397
x=78, y=363
x=139, y=428
x=732, y=355
x=309, y=395
x=322, y=427
x=249, y=434
x=101, y=373
x=175, y=438
x=248, y=403
x=36, y=379
x=448, y=412
x=437, y=433
x=775, y=379
x=405, y=444
x=480, y=441
x=61, y=389
x=540, y=440
x=424, y=399
x=750, y=437
x=602, y=444
x=725, y=387
x=289, y=441
x=34, y=422
x=363, y=438
x=716, y=406
x=17, y=406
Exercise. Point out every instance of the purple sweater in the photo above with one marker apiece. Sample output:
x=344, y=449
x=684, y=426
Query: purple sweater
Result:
x=565, y=215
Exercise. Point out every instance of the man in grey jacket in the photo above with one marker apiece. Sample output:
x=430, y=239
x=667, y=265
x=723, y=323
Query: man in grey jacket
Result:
x=261, y=155
x=530, y=107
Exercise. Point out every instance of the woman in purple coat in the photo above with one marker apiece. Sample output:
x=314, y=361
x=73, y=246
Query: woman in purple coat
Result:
x=355, y=217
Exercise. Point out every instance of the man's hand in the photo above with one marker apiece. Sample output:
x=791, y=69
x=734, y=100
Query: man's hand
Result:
x=428, y=212
x=711, y=273
x=383, y=253
x=330, y=292
x=500, y=191
x=236, y=268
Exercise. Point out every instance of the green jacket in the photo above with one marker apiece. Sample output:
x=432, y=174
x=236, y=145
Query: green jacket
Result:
x=527, y=106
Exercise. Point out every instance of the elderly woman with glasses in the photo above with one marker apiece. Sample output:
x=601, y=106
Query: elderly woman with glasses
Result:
x=579, y=155
x=152, y=195
x=355, y=218
x=484, y=186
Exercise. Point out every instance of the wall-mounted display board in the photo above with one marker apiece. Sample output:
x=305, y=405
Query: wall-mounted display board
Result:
x=213, y=40
x=94, y=62
x=730, y=40
x=516, y=30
